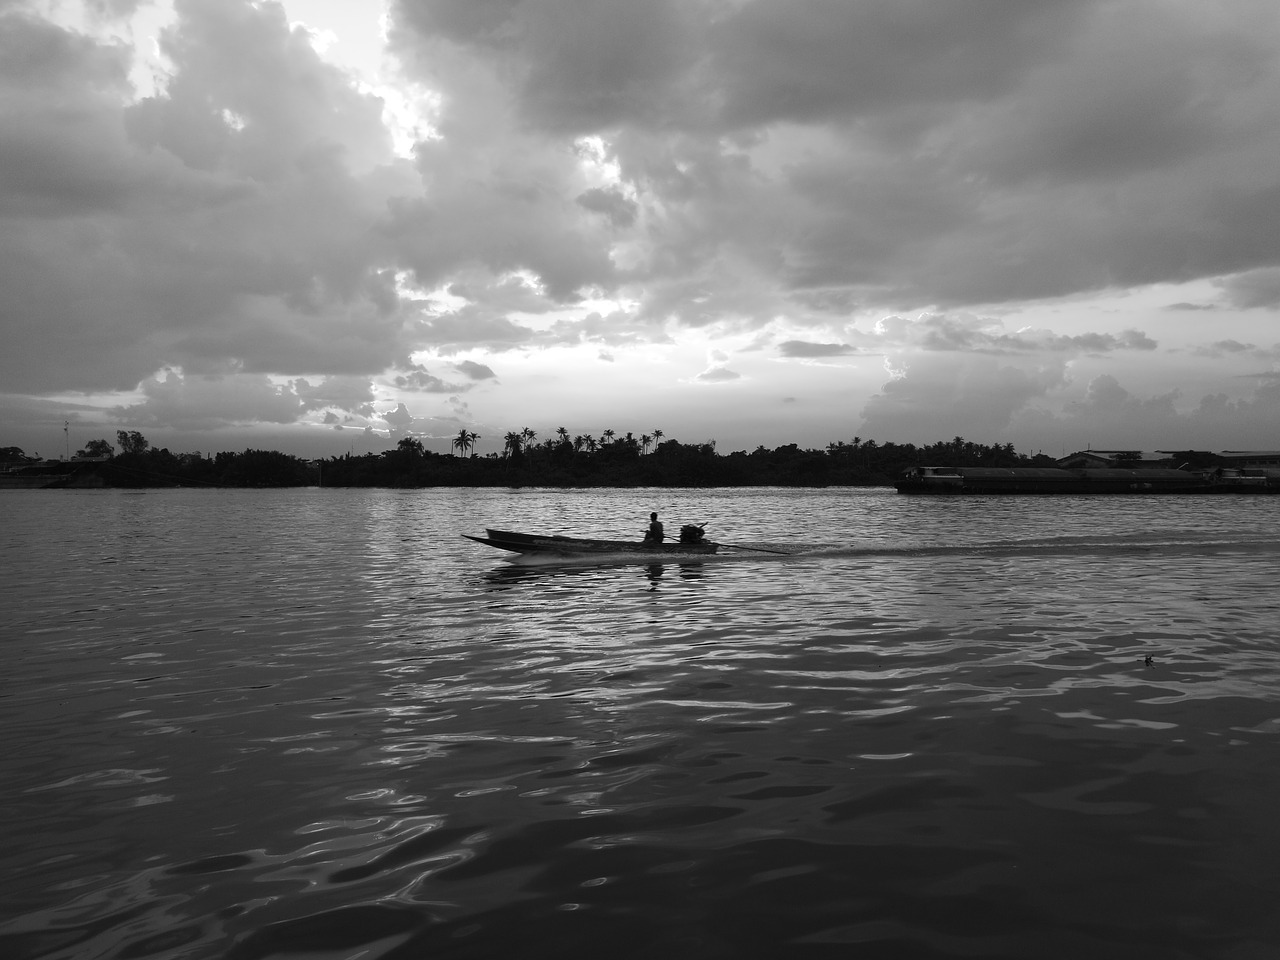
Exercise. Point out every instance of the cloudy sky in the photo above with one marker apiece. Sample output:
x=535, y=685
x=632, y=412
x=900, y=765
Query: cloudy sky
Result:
x=320, y=226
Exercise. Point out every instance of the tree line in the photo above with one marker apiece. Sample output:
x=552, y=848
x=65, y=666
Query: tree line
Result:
x=559, y=460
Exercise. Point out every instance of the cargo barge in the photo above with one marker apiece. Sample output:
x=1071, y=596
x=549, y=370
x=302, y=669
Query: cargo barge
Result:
x=1089, y=480
x=50, y=474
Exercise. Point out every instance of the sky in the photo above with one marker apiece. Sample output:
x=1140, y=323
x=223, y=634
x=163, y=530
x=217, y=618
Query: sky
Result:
x=320, y=227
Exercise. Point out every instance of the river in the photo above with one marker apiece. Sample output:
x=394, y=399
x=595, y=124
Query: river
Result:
x=319, y=723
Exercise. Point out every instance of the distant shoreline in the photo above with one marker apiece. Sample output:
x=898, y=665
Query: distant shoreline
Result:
x=557, y=464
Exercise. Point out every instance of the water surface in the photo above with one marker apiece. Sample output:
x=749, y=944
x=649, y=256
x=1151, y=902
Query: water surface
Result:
x=319, y=723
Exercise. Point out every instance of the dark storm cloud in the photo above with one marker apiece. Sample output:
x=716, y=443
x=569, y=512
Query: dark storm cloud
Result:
x=816, y=60
x=582, y=64
x=218, y=224
x=915, y=152
x=620, y=211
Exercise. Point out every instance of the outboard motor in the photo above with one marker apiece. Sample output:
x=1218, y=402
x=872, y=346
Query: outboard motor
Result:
x=692, y=533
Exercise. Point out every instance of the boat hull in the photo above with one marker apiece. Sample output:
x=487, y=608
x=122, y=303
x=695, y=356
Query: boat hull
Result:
x=934, y=481
x=49, y=475
x=526, y=543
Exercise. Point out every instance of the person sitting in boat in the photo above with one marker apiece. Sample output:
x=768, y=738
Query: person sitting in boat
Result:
x=654, y=534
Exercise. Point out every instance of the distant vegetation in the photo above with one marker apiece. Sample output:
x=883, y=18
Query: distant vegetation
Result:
x=558, y=461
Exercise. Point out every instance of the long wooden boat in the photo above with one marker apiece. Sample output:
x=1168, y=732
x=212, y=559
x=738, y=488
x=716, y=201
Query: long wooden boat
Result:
x=533, y=543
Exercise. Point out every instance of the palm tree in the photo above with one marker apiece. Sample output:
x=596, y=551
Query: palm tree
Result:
x=606, y=438
x=563, y=434
x=461, y=441
x=465, y=440
x=645, y=441
x=511, y=447
x=657, y=437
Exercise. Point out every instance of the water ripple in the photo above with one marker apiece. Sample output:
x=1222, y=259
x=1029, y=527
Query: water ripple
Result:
x=273, y=723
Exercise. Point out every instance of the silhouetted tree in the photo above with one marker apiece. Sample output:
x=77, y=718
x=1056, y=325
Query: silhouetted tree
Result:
x=132, y=441
x=560, y=461
x=96, y=448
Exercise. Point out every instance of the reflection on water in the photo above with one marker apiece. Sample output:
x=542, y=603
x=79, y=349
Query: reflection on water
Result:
x=319, y=723
x=506, y=576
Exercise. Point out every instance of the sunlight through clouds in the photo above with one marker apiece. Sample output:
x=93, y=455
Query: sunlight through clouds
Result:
x=343, y=37
x=906, y=218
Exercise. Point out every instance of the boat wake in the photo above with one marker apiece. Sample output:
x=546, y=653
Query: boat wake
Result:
x=793, y=553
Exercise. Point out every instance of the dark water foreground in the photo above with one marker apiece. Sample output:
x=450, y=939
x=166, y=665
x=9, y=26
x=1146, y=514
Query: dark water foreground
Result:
x=319, y=724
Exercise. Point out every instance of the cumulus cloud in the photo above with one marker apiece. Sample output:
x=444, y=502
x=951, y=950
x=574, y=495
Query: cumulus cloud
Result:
x=398, y=419
x=1255, y=288
x=1222, y=348
x=626, y=175
x=938, y=397
x=418, y=379
x=351, y=394
x=949, y=372
x=717, y=374
x=199, y=403
x=474, y=371
x=966, y=333
x=806, y=350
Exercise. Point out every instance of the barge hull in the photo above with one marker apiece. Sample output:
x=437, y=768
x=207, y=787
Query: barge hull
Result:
x=944, y=481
